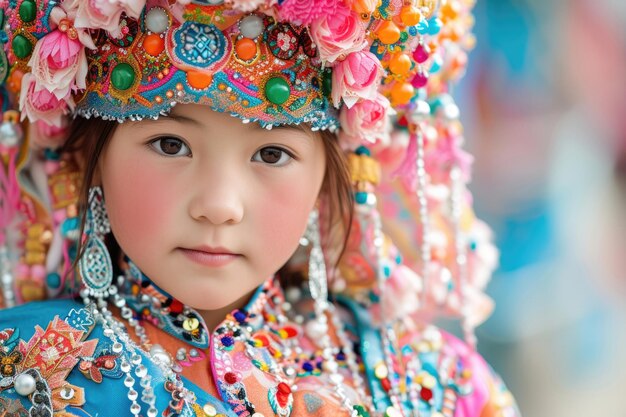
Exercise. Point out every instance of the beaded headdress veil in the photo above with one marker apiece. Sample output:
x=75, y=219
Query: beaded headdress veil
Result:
x=377, y=72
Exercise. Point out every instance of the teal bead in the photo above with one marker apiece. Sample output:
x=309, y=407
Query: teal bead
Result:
x=123, y=76
x=422, y=27
x=436, y=66
x=28, y=11
x=53, y=280
x=362, y=150
x=277, y=90
x=360, y=197
x=434, y=26
x=22, y=46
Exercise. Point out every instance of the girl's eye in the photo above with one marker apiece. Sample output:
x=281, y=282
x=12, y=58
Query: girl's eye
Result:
x=272, y=155
x=169, y=146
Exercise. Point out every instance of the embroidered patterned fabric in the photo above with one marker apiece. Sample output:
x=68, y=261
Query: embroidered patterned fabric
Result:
x=248, y=65
x=235, y=374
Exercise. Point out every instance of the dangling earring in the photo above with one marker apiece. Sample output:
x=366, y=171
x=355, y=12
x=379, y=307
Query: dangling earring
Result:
x=95, y=264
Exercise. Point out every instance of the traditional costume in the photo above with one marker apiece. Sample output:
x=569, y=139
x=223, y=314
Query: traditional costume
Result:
x=359, y=339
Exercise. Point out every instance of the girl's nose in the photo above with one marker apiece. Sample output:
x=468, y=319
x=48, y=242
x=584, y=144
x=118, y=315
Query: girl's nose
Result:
x=218, y=201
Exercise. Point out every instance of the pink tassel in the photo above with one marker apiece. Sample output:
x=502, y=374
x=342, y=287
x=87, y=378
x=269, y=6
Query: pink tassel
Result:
x=9, y=193
x=407, y=171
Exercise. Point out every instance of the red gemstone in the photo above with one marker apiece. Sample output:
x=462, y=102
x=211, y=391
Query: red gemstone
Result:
x=420, y=80
x=176, y=306
x=386, y=384
x=421, y=53
x=291, y=332
x=231, y=377
x=284, y=388
x=426, y=394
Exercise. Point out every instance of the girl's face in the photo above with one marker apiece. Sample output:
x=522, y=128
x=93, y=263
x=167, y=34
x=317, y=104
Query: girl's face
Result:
x=206, y=206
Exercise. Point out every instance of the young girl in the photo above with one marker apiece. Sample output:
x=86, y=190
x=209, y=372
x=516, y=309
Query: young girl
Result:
x=185, y=257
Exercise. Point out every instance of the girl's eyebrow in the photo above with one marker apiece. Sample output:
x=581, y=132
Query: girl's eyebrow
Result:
x=179, y=118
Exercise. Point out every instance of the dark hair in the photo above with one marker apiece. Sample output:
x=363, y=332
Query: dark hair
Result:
x=89, y=137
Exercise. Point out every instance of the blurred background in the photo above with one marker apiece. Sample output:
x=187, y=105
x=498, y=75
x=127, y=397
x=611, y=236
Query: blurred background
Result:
x=544, y=105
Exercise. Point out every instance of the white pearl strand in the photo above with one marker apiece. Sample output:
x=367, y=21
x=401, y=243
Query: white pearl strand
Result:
x=115, y=331
x=318, y=284
x=461, y=250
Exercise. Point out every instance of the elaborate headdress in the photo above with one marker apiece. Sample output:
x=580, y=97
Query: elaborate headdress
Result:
x=378, y=72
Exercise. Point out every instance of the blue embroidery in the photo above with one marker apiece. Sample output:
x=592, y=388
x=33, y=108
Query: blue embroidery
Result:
x=200, y=45
x=80, y=319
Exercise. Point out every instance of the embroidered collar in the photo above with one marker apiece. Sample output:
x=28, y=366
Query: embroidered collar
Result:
x=153, y=304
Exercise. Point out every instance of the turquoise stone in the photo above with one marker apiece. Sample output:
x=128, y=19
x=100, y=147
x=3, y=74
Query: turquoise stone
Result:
x=277, y=90
x=360, y=197
x=123, y=76
x=22, y=46
x=28, y=11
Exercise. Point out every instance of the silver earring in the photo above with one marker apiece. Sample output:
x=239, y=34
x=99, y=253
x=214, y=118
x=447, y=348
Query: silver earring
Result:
x=95, y=264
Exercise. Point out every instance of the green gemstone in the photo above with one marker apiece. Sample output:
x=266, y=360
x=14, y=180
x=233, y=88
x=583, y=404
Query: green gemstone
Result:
x=327, y=83
x=361, y=411
x=277, y=90
x=22, y=46
x=28, y=11
x=123, y=76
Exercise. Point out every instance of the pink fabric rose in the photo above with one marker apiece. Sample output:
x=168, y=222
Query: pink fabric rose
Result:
x=105, y=14
x=44, y=135
x=366, y=120
x=59, y=63
x=356, y=77
x=37, y=103
x=304, y=12
x=338, y=33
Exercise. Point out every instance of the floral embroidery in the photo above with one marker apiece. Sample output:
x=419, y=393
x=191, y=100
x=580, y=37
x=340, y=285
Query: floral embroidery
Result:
x=54, y=352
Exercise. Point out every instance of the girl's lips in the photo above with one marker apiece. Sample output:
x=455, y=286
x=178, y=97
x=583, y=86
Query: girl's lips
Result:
x=215, y=258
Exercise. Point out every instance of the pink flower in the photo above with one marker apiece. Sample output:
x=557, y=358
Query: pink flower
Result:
x=104, y=14
x=338, y=33
x=357, y=76
x=246, y=6
x=304, y=12
x=44, y=135
x=59, y=63
x=37, y=103
x=366, y=120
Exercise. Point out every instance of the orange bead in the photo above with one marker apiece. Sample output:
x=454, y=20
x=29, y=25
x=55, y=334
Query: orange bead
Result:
x=402, y=93
x=410, y=15
x=153, y=44
x=245, y=49
x=400, y=64
x=14, y=83
x=199, y=80
x=450, y=10
x=388, y=33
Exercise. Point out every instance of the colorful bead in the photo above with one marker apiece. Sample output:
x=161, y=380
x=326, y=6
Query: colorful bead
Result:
x=123, y=76
x=251, y=26
x=400, y=64
x=420, y=80
x=410, y=15
x=199, y=80
x=231, y=378
x=246, y=49
x=381, y=371
x=402, y=93
x=153, y=44
x=22, y=46
x=157, y=20
x=277, y=90
x=421, y=53
x=28, y=11
x=388, y=33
